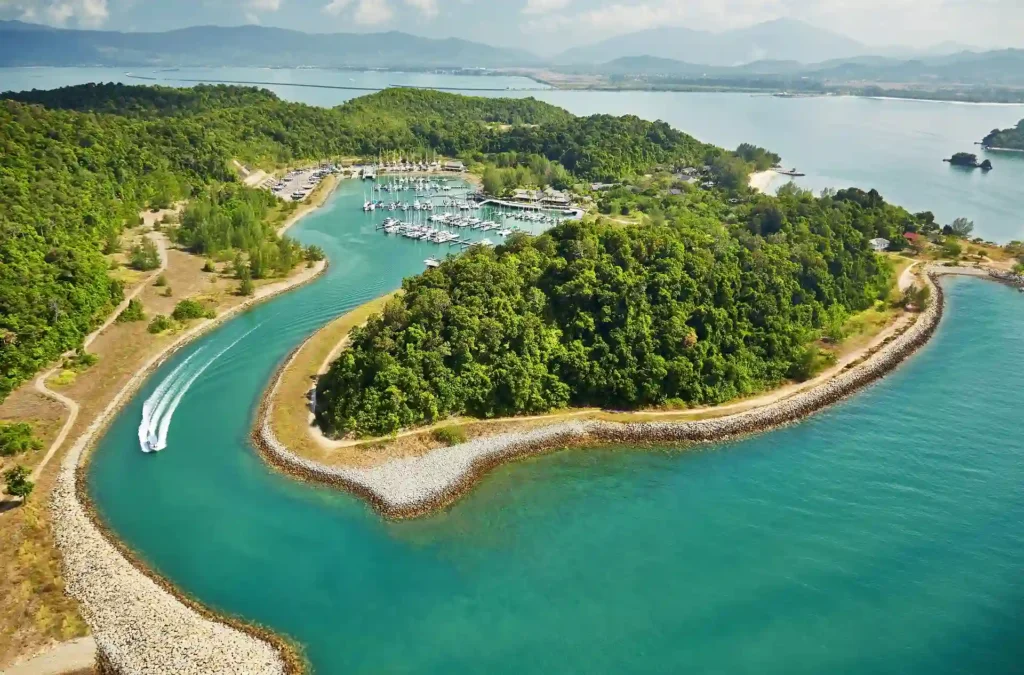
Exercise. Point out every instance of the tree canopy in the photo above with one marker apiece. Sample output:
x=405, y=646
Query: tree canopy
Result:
x=1010, y=139
x=687, y=308
x=79, y=163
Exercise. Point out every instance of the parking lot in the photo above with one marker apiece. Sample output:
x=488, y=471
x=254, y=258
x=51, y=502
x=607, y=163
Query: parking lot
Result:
x=296, y=185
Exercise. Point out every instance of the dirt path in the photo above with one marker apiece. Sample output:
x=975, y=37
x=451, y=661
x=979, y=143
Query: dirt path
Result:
x=40, y=383
x=68, y=657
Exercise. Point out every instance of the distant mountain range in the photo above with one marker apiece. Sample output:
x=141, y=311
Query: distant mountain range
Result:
x=23, y=44
x=781, y=49
x=996, y=68
x=782, y=40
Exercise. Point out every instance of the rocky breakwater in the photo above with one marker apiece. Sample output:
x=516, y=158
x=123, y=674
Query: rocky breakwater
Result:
x=413, y=486
x=142, y=624
x=139, y=625
x=1002, y=276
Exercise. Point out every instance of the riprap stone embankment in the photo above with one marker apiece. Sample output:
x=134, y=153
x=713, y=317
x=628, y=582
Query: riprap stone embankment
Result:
x=415, y=485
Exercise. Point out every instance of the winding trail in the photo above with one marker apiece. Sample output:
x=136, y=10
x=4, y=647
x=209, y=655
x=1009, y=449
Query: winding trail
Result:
x=40, y=383
x=79, y=654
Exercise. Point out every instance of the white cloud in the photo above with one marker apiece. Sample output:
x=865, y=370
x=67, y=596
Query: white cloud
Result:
x=336, y=7
x=367, y=12
x=426, y=7
x=545, y=6
x=84, y=13
x=264, y=5
x=373, y=12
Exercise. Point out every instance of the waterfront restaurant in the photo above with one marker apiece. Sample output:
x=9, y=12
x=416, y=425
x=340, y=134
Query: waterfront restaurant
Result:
x=454, y=166
x=552, y=197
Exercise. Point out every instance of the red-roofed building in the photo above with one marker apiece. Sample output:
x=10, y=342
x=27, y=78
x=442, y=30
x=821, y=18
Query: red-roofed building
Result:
x=912, y=237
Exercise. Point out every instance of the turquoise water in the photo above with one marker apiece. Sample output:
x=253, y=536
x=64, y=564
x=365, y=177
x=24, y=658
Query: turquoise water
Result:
x=885, y=535
x=894, y=146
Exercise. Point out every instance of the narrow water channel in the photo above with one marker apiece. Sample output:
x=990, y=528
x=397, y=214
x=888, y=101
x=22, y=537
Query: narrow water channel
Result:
x=885, y=535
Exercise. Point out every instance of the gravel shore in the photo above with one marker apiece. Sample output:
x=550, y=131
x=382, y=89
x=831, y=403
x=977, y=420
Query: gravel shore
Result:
x=413, y=486
x=140, y=622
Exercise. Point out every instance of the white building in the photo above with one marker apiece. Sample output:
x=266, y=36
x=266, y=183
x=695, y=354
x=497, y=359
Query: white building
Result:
x=879, y=244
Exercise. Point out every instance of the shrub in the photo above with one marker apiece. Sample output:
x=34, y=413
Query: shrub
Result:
x=246, y=287
x=159, y=324
x=314, y=253
x=951, y=249
x=133, y=312
x=209, y=266
x=167, y=292
x=145, y=256
x=16, y=437
x=18, y=484
x=160, y=281
x=449, y=435
x=112, y=243
x=191, y=309
x=82, y=360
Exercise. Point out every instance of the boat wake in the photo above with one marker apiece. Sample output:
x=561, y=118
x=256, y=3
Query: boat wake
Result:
x=158, y=410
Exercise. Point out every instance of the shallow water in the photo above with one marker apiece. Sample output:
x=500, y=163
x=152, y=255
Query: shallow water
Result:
x=883, y=535
x=894, y=146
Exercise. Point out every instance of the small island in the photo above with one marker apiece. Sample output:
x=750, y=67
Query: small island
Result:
x=1005, y=139
x=969, y=160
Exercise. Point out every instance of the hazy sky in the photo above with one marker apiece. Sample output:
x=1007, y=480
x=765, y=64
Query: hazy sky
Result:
x=547, y=26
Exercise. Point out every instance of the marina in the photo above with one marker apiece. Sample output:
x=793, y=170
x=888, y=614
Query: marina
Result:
x=445, y=211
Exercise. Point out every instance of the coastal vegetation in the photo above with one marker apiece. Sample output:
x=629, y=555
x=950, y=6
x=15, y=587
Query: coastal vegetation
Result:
x=1006, y=139
x=95, y=155
x=970, y=161
x=17, y=438
x=707, y=302
x=17, y=482
x=133, y=312
x=189, y=309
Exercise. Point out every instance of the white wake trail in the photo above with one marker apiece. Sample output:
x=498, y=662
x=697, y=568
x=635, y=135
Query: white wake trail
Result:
x=162, y=423
x=157, y=402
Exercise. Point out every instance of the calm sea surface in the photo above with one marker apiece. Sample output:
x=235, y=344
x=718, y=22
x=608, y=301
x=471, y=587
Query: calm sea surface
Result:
x=894, y=146
x=885, y=535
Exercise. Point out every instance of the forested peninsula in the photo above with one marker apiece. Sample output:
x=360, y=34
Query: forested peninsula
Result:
x=79, y=163
x=706, y=301
x=1006, y=139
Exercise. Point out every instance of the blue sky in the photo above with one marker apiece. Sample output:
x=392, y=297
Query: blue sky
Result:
x=547, y=26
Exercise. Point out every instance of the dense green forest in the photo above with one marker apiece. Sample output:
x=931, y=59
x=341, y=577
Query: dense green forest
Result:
x=255, y=126
x=704, y=302
x=230, y=218
x=1011, y=139
x=79, y=163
